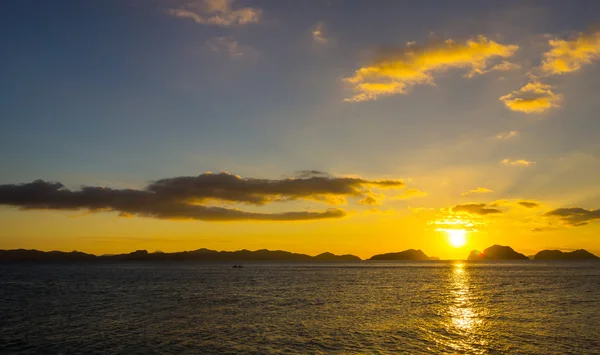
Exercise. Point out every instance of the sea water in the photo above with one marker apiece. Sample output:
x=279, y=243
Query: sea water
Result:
x=523, y=307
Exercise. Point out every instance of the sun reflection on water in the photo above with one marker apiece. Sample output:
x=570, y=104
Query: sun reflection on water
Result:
x=465, y=316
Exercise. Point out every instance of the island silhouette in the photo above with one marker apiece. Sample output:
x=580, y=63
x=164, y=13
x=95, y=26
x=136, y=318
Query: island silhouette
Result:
x=410, y=254
x=580, y=254
x=495, y=252
x=207, y=255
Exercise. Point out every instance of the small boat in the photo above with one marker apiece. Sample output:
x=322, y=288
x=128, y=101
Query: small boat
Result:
x=237, y=266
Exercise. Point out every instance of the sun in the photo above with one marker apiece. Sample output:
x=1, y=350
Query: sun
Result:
x=457, y=237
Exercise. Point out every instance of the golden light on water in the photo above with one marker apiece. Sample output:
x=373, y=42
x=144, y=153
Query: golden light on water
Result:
x=462, y=314
x=465, y=314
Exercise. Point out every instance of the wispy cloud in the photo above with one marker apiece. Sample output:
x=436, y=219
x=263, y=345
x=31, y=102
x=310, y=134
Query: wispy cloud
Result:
x=520, y=162
x=506, y=66
x=227, y=45
x=479, y=190
x=475, y=208
x=568, y=56
x=318, y=33
x=507, y=135
x=534, y=97
x=186, y=197
x=529, y=204
x=397, y=71
x=575, y=216
x=217, y=12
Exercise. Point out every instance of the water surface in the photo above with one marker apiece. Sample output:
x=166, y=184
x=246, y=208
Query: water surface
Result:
x=368, y=307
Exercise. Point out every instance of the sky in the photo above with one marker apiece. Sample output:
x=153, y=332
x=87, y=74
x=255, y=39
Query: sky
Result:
x=357, y=127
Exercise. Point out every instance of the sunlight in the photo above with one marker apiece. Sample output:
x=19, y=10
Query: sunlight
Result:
x=457, y=237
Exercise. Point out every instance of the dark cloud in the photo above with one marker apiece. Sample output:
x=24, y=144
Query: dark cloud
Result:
x=475, y=208
x=182, y=197
x=304, y=174
x=529, y=204
x=546, y=229
x=574, y=216
x=230, y=187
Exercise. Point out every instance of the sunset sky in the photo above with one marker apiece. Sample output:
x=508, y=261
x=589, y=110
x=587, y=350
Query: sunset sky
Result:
x=355, y=127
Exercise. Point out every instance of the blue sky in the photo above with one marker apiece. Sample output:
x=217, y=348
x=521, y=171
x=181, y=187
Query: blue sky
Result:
x=121, y=93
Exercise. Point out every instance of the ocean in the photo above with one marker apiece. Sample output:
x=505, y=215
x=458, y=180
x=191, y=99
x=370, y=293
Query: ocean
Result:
x=292, y=308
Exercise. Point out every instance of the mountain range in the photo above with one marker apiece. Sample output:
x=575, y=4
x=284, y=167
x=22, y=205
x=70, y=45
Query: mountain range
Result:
x=495, y=252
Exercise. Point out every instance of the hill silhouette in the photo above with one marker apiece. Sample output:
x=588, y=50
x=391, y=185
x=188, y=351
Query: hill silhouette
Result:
x=22, y=255
x=497, y=252
x=580, y=254
x=410, y=254
x=332, y=257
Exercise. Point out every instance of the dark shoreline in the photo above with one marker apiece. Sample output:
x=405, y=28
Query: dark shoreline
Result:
x=494, y=253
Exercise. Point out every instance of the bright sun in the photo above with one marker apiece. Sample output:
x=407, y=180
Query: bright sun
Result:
x=457, y=237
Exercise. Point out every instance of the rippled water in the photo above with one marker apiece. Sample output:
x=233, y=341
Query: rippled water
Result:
x=445, y=307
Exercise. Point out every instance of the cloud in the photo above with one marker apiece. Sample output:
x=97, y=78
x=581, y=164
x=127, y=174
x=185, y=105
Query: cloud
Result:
x=318, y=34
x=534, y=97
x=506, y=66
x=397, y=71
x=475, y=208
x=568, y=56
x=409, y=194
x=529, y=204
x=545, y=229
x=371, y=200
x=500, y=203
x=519, y=162
x=575, y=216
x=217, y=12
x=303, y=174
x=185, y=197
x=446, y=223
x=479, y=190
x=507, y=135
x=227, y=45
x=564, y=56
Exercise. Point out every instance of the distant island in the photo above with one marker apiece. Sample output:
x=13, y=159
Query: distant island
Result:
x=496, y=252
x=333, y=257
x=580, y=254
x=410, y=254
x=22, y=255
x=499, y=252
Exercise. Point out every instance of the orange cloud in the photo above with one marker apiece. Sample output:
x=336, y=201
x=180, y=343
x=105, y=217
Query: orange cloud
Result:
x=479, y=190
x=371, y=200
x=519, y=162
x=506, y=66
x=507, y=135
x=217, y=12
x=534, y=97
x=318, y=33
x=397, y=72
x=568, y=56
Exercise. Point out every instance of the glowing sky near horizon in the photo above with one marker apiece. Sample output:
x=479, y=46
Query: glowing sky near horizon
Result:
x=358, y=127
